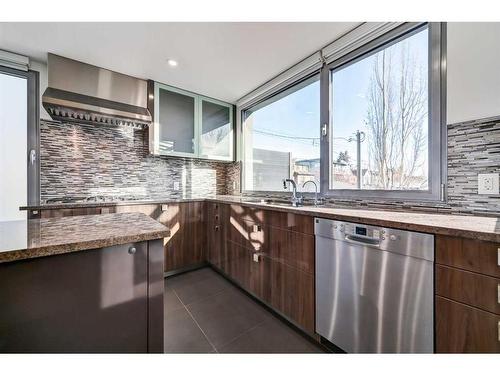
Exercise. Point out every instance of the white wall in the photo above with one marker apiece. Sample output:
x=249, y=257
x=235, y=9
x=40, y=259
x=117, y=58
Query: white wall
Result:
x=473, y=71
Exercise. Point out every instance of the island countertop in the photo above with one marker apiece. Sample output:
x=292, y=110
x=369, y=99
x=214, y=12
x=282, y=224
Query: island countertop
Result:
x=25, y=239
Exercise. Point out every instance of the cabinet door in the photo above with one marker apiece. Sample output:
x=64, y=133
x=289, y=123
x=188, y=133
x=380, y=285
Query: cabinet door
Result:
x=464, y=329
x=88, y=301
x=175, y=119
x=251, y=273
x=216, y=140
x=185, y=246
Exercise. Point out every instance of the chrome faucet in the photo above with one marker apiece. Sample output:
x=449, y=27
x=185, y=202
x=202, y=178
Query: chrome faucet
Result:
x=316, y=200
x=296, y=201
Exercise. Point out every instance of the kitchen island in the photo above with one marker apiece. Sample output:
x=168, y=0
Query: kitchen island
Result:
x=87, y=284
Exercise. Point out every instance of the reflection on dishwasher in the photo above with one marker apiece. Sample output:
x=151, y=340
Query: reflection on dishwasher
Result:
x=374, y=288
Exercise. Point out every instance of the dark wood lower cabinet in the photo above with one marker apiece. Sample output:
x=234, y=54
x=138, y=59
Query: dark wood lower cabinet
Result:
x=273, y=263
x=187, y=242
x=467, y=296
x=464, y=329
x=106, y=300
x=292, y=294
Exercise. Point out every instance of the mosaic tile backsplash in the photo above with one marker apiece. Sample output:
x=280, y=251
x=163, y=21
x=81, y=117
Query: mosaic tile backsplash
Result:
x=85, y=160
x=88, y=160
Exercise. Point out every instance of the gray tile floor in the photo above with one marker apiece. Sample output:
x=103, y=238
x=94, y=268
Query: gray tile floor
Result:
x=204, y=313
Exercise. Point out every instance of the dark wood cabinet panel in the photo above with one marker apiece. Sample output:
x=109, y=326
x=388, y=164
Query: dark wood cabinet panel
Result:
x=273, y=262
x=292, y=293
x=64, y=212
x=464, y=329
x=284, y=220
x=252, y=214
x=292, y=248
x=216, y=235
x=247, y=234
x=290, y=221
x=102, y=300
x=186, y=245
x=471, y=288
x=472, y=255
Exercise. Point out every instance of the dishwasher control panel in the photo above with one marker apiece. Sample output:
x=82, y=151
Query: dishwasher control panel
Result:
x=390, y=239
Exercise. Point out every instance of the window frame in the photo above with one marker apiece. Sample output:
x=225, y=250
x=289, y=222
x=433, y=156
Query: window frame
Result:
x=33, y=131
x=436, y=115
x=273, y=97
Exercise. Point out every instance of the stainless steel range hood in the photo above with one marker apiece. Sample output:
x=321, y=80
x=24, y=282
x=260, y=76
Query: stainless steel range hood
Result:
x=80, y=92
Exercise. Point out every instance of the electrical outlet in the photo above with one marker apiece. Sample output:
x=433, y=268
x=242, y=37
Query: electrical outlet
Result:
x=488, y=183
x=177, y=186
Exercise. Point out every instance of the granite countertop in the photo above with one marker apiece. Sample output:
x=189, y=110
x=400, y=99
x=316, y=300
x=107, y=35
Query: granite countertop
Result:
x=477, y=227
x=25, y=239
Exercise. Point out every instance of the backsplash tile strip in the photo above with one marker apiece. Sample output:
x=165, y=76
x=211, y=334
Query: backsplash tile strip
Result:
x=86, y=160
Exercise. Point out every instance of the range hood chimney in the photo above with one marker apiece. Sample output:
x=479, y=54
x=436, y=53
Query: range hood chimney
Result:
x=79, y=92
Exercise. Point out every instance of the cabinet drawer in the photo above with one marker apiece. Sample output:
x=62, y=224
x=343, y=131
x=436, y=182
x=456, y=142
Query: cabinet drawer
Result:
x=468, y=287
x=290, y=221
x=293, y=248
x=292, y=294
x=253, y=214
x=464, y=329
x=472, y=255
x=247, y=234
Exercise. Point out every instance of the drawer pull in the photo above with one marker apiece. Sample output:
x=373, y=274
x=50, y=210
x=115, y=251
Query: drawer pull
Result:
x=257, y=228
x=217, y=228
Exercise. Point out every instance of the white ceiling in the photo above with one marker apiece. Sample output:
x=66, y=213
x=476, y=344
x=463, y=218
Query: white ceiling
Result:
x=221, y=60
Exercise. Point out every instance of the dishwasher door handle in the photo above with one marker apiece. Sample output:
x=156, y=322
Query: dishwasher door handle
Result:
x=362, y=241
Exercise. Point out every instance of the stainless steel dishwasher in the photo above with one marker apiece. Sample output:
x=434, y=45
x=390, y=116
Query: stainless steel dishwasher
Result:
x=374, y=288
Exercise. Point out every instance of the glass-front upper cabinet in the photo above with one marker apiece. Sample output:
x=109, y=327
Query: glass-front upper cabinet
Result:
x=216, y=141
x=190, y=125
x=175, y=116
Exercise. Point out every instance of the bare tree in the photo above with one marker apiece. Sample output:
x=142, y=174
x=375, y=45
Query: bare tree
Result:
x=397, y=102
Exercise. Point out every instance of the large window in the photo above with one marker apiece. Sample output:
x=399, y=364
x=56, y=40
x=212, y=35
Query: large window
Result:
x=281, y=139
x=381, y=128
x=369, y=127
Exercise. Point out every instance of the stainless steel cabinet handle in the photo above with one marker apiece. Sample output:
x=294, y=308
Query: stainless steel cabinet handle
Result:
x=256, y=228
x=216, y=228
x=132, y=250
